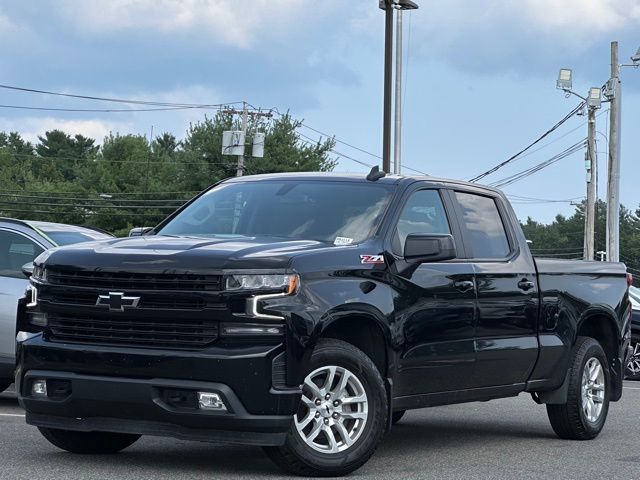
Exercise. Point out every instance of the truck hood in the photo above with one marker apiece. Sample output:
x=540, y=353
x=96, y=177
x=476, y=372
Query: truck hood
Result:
x=165, y=254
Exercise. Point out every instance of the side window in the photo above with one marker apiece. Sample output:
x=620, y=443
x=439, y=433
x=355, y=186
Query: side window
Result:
x=15, y=251
x=484, y=227
x=423, y=213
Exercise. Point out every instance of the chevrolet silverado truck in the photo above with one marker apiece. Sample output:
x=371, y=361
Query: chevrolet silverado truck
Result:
x=306, y=313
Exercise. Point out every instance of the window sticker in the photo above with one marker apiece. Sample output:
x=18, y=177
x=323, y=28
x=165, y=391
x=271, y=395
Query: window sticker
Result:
x=343, y=241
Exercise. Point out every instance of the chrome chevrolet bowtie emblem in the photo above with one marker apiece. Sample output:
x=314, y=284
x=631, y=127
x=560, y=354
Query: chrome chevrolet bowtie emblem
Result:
x=117, y=302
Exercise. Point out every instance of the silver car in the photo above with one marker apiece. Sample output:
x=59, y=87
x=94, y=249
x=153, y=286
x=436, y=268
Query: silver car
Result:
x=20, y=242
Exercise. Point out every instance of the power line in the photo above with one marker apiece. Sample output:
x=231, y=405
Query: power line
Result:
x=536, y=168
x=118, y=100
x=99, y=199
x=76, y=205
x=98, y=110
x=535, y=142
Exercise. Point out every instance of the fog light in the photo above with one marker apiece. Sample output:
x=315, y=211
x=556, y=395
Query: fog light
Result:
x=210, y=401
x=39, y=388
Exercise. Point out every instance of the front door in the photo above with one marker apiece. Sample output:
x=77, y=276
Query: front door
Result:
x=435, y=306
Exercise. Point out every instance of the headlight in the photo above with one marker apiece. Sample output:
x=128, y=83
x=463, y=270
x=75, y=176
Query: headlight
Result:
x=39, y=274
x=271, y=282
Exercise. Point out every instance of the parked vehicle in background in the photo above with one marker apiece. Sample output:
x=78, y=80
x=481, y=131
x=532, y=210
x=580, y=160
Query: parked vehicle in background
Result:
x=633, y=365
x=20, y=242
x=306, y=312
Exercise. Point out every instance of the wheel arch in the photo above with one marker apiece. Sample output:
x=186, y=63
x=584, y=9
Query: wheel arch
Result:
x=363, y=330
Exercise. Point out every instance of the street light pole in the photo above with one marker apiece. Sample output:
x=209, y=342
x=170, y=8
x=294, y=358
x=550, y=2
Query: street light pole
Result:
x=397, y=140
x=388, y=72
x=592, y=164
x=389, y=6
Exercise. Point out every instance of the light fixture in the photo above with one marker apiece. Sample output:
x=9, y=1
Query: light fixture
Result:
x=636, y=58
x=39, y=388
x=398, y=4
x=594, y=100
x=565, y=79
x=211, y=401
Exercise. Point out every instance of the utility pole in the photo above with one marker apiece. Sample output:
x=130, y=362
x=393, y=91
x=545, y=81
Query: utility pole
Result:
x=388, y=72
x=397, y=141
x=613, y=182
x=244, y=117
x=592, y=179
x=244, y=124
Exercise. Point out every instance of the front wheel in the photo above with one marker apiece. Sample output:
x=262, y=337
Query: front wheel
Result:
x=342, y=414
x=88, y=442
x=585, y=412
x=633, y=365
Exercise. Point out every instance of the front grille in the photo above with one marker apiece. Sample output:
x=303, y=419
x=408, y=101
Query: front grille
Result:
x=120, y=281
x=148, y=300
x=127, y=330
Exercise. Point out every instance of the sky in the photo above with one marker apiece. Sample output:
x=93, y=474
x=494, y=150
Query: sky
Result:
x=479, y=77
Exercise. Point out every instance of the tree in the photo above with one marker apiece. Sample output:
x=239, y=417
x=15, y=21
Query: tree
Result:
x=129, y=181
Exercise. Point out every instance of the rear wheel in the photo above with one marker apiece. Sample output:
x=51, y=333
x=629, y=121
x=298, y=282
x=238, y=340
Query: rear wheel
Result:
x=88, y=442
x=342, y=414
x=585, y=412
x=4, y=384
x=633, y=365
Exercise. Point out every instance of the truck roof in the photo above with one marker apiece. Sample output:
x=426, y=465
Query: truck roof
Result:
x=354, y=177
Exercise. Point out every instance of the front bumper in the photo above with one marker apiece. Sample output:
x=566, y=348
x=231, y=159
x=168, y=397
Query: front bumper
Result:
x=132, y=390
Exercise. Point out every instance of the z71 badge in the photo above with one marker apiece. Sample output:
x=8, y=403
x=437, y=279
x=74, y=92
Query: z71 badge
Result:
x=375, y=259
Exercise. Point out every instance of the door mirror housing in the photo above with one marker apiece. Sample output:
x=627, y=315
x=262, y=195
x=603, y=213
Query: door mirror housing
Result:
x=424, y=248
x=139, y=231
x=27, y=269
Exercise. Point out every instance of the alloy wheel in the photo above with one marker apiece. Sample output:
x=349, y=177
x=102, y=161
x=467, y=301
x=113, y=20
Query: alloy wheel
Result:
x=593, y=389
x=333, y=410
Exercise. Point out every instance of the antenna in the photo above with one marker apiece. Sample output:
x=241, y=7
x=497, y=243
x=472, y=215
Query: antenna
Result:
x=375, y=174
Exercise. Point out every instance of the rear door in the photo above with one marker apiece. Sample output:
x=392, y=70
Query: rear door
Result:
x=435, y=305
x=506, y=330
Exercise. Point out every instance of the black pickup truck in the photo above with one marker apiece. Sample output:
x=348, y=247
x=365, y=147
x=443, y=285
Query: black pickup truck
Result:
x=306, y=312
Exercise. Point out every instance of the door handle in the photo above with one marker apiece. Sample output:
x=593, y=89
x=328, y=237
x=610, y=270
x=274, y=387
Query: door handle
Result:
x=464, y=285
x=525, y=284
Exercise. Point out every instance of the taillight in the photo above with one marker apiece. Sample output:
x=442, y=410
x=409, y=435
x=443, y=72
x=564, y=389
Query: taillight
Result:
x=629, y=279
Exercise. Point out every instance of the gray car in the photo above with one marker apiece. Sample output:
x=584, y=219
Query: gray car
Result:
x=20, y=242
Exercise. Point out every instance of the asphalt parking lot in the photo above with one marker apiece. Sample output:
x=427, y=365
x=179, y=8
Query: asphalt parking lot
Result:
x=502, y=439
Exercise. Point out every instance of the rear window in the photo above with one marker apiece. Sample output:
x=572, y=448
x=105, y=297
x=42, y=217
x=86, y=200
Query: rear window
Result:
x=484, y=227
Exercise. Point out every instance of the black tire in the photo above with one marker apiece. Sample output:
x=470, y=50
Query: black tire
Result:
x=569, y=420
x=397, y=416
x=92, y=443
x=296, y=457
x=630, y=374
x=4, y=384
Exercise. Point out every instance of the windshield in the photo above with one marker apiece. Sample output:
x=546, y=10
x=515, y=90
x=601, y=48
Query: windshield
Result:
x=68, y=238
x=337, y=212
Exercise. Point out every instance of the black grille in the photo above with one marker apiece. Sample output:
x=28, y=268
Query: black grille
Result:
x=157, y=301
x=134, y=281
x=116, y=330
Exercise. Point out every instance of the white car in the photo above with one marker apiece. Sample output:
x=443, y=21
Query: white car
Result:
x=20, y=242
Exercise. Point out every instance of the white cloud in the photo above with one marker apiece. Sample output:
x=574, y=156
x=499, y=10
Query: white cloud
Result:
x=32, y=127
x=231, y=22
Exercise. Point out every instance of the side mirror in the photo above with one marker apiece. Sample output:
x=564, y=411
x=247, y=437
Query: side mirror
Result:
x=423, y=248
x=139, y=231
x=27, y=269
